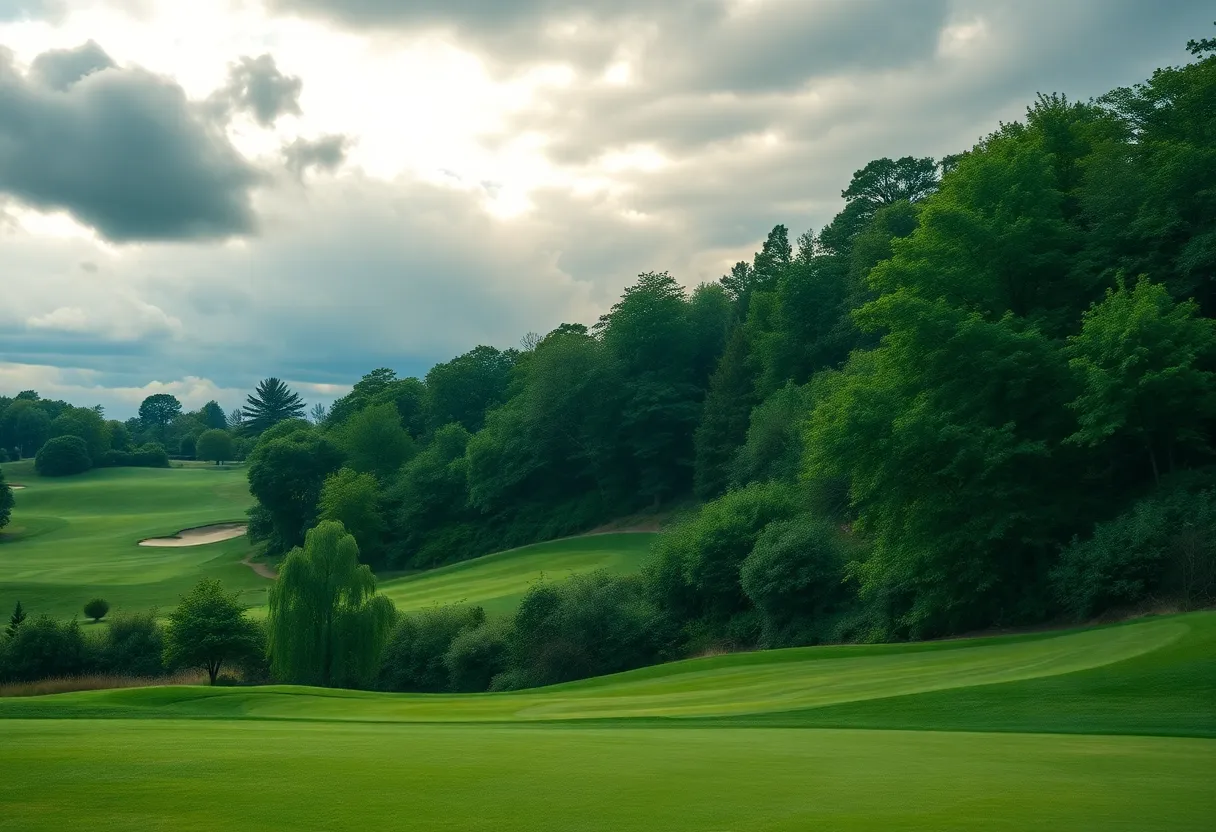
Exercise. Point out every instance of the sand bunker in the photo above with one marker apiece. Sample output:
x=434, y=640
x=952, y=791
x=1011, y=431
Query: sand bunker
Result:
x=198, y=536
x=15, y=487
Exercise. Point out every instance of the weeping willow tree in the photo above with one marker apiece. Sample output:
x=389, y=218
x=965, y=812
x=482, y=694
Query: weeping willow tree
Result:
x=327, y=626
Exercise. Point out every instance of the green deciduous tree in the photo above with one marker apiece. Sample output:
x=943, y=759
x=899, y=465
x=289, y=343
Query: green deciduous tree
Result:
x=96, y=609
x=464, y=389
x=87, y=424
x=353, y=499
x=374, y=441
x=209, y=629
x=157, y=412
x=212, y=416
x=286, y=472
x=1143, y=361
x=326, y=624
x=62, y=457
x=216, y=446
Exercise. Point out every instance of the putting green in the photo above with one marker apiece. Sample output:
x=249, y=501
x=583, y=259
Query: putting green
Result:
x=673, y=747
x=76, y=538
x=498, y=581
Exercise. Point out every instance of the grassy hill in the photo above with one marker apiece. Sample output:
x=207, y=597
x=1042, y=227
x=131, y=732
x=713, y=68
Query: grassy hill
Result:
x=498, y=581
x=1104, y=728
x=74, y=538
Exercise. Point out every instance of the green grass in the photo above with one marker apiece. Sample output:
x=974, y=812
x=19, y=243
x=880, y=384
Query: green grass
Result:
x=716, y=743
x=75, y=538
x=1090, y=729
x=498, y=581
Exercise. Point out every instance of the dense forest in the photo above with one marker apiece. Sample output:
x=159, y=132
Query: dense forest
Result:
x=982, y=396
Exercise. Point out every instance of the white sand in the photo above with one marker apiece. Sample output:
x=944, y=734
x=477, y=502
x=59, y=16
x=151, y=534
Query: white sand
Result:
x=198, y=536
x=16, y=487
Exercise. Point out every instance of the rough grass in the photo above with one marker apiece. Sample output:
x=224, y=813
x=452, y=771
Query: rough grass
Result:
x=677, y=747
x=73, y=684
x=75, y=538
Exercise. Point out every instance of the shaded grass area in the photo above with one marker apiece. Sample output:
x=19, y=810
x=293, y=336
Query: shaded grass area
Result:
x=266, y=775
x=498, y=581
x=1163, y=661
x=75, y=538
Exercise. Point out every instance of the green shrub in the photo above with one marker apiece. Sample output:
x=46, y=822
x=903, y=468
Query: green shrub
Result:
x=794, y=577
x=151, y=455
x=587, y=625
x=62, y=457
x=695, y=571
x=414, y=659
x=97, y=609
x=1163, y=546
x=134, y=646
x=187, y=447
x=476, y=656
x=44, y=648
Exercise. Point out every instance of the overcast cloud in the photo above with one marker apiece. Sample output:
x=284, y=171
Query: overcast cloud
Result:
x=195, y=196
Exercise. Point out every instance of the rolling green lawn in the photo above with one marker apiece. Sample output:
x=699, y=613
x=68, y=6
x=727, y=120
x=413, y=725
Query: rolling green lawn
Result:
x=1091, y=729
x=75, y=538
x=1105, y=728
x=498, y=581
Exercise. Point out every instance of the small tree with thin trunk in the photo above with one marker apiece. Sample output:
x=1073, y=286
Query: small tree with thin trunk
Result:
x=97, y=609
x=209, y=628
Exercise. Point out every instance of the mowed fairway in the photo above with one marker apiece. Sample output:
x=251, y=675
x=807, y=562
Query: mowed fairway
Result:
x=1107, y=728
x=498, y=581
x=75, y=538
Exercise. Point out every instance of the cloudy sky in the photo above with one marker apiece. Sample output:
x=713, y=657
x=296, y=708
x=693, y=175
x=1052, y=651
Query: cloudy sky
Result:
x=194, y=195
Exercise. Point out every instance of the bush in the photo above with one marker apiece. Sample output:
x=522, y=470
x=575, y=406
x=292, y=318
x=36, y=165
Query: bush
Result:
x=587, y=625
x=186, y=449
x=62, y=457
x=97, y=609
x=134, y=646
x=414, y=659
x=476, y=656
x=151, y=455
x=794, y=577
x=1163, y=546
x=43, y=648
x=695, y=571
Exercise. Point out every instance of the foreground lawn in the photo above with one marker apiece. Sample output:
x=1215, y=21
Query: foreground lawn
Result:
x=498, y=581
x=75, y=538
x=1094, y=729
x=185, y=775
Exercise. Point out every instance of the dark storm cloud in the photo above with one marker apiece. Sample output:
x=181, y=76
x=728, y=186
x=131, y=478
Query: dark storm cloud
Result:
x=322, y=153
x=58, y=69
x=256, y=86
x=122, y=150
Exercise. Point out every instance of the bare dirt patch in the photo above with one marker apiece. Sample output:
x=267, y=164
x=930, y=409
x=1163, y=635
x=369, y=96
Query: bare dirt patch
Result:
x=260, y=568
x=198, y=536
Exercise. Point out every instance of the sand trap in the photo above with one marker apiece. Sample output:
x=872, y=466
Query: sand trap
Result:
x=198, y=536
x=16, y=487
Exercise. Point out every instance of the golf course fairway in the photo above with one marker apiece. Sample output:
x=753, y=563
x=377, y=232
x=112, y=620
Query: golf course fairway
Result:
x=76, y=538
x=1092, y=729
x=497, y=582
